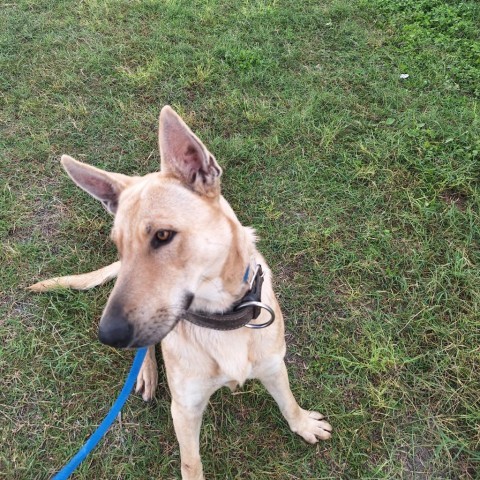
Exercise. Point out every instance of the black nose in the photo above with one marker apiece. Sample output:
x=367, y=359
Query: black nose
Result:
x=114, y=329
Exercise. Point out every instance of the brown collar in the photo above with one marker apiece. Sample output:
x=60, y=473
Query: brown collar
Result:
x=240, y=314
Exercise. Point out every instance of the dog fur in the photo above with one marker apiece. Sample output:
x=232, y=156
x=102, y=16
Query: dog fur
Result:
x=200, y=267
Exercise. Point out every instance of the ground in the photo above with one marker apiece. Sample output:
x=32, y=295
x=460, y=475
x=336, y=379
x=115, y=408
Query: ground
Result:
x=362, y=186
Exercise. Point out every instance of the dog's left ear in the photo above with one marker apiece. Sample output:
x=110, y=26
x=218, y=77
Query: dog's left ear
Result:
x=184, y=156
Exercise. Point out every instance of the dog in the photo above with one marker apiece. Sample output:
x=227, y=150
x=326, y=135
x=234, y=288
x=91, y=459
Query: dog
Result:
x=189, y=277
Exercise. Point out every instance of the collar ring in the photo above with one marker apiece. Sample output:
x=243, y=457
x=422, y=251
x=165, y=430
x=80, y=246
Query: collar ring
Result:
x=253, y=303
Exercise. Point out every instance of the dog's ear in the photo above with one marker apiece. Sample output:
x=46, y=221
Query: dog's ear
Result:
x=104, y=186
x=185, y=157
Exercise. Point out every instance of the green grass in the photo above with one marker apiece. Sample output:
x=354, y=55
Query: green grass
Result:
x=362, y=186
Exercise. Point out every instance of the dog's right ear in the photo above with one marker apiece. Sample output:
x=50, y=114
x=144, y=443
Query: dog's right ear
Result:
x=104, y=186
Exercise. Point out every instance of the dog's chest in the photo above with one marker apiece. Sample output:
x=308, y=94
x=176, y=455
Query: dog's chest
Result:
x=220, y=358
x=233, y=365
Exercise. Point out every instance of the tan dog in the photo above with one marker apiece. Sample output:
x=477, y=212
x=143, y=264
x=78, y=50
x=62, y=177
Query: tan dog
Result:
x=183, y=252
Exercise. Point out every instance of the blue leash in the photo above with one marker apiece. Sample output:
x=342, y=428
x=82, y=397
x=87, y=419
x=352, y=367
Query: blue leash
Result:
x=91, y=443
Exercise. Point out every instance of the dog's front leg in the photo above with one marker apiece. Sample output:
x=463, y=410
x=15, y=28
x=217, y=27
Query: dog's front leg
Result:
x=307, y=424
x=187, y=415
x=147, y=379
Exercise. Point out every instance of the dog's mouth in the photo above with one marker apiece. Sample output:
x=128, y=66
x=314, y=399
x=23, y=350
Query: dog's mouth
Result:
x=149, y=335
x=161, y=324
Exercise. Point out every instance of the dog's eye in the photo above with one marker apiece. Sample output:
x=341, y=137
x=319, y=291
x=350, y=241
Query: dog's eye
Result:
x=162, y=237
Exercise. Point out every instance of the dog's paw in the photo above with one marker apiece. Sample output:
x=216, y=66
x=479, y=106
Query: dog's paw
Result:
x=147, y=380
x=311, y=427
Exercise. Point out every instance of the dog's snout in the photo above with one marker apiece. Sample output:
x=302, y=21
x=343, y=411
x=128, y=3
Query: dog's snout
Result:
x=115, y=329
x=116, y=334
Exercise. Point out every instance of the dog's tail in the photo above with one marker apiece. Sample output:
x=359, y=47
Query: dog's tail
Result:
x=79, y=282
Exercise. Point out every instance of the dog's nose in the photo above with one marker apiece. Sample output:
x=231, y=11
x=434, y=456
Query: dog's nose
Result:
x=116, y=335
x=114, y=329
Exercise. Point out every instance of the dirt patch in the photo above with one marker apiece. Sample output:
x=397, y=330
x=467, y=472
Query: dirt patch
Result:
x=458, y=199
x=416, y=462
x=420, y=460
x=44, y=219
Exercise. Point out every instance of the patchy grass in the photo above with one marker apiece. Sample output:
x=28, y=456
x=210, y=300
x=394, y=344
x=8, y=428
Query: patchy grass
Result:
x=362, y=186
x=446, y=29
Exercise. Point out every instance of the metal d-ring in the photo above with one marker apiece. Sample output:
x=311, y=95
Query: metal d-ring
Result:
x=253, y=303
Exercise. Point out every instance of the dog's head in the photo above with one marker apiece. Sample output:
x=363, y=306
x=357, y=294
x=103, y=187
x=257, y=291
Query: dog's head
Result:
x=179, y=242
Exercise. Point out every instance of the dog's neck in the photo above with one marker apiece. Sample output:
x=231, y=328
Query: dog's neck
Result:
x=212, y=296
x=218, y=291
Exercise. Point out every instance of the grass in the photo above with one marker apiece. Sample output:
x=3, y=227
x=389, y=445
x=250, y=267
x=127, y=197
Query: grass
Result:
x=362, y=186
